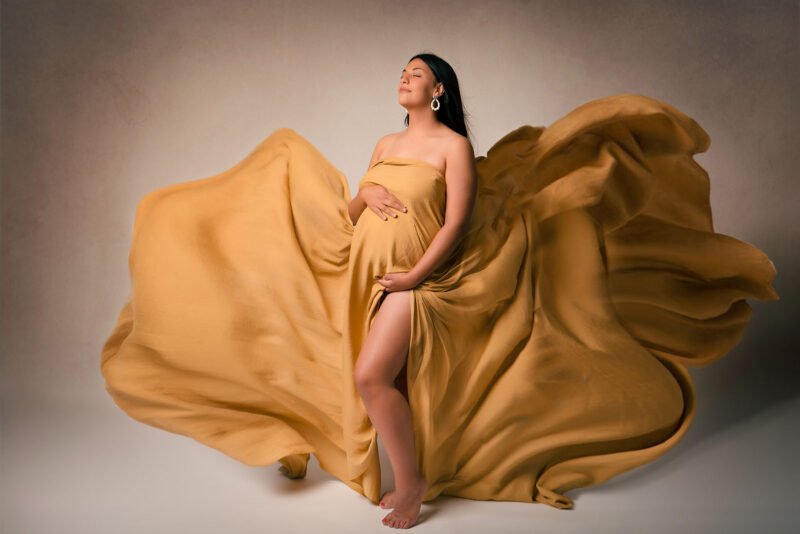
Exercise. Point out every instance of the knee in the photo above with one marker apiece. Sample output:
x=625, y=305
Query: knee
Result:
x=367, y=380
x=363, y=378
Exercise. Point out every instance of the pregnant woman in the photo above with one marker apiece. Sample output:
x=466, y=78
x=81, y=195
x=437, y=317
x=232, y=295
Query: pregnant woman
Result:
x=421, y=164
x=513, y=326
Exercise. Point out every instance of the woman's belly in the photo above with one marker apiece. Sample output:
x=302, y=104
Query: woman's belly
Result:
x=393, y=245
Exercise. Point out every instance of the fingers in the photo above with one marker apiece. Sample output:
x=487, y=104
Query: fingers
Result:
x=388, y=210
x=378, y=212
x=390, y=206
x=394, y=202
x=387, y=205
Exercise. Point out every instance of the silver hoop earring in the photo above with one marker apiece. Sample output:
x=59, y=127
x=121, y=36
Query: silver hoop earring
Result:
x=435, y=102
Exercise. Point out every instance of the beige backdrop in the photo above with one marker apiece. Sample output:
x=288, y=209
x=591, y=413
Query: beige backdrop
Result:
x=104, y=101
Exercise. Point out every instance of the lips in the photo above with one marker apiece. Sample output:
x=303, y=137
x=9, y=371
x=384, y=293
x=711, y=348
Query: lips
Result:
x=405, y=90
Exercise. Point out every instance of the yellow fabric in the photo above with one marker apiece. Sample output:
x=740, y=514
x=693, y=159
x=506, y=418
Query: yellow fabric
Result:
x=548, y=353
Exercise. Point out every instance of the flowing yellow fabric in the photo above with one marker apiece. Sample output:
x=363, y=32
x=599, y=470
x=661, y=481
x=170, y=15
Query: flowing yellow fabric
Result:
x=547, y=353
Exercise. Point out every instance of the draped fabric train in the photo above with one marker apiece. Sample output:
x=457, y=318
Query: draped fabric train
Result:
x=549, y=352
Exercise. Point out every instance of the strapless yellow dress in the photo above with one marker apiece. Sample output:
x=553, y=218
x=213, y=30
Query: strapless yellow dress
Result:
x=548, y=353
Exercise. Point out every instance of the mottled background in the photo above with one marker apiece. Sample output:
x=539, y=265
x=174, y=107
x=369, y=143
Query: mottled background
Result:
x=104, y=101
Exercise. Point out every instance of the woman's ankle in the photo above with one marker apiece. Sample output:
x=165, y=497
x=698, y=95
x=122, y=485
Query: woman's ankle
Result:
x=412, y=484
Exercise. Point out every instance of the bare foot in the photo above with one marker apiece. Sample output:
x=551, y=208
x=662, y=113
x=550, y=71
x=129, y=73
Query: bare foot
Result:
x=406, y=506
x=387, y=499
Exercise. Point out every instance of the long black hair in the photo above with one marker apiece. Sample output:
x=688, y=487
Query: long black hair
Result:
x=451, y=108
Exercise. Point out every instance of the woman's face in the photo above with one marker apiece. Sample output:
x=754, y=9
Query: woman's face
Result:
x=416, y=84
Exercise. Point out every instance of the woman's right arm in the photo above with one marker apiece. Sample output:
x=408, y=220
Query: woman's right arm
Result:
x=357, y=205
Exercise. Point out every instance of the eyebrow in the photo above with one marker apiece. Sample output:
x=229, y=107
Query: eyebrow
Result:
x=414, y=68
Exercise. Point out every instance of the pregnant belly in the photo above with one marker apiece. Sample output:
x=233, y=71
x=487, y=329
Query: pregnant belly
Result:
x=394, y=245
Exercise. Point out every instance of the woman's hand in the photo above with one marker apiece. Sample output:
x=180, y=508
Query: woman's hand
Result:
x=398, y=281
x=380, y=200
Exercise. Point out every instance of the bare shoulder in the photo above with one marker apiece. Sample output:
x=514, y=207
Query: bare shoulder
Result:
x=460, y=153
x=380, y=147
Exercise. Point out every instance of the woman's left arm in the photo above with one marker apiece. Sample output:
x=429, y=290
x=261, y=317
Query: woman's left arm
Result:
x=462, y=186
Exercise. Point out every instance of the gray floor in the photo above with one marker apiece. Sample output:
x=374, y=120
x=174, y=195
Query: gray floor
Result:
x=77, y=464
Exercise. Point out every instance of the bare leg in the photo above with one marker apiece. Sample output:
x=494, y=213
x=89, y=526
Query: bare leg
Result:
x=381, y=358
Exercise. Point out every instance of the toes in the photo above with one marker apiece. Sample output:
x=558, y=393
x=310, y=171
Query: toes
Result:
x=396, y=522
x=390, y=520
